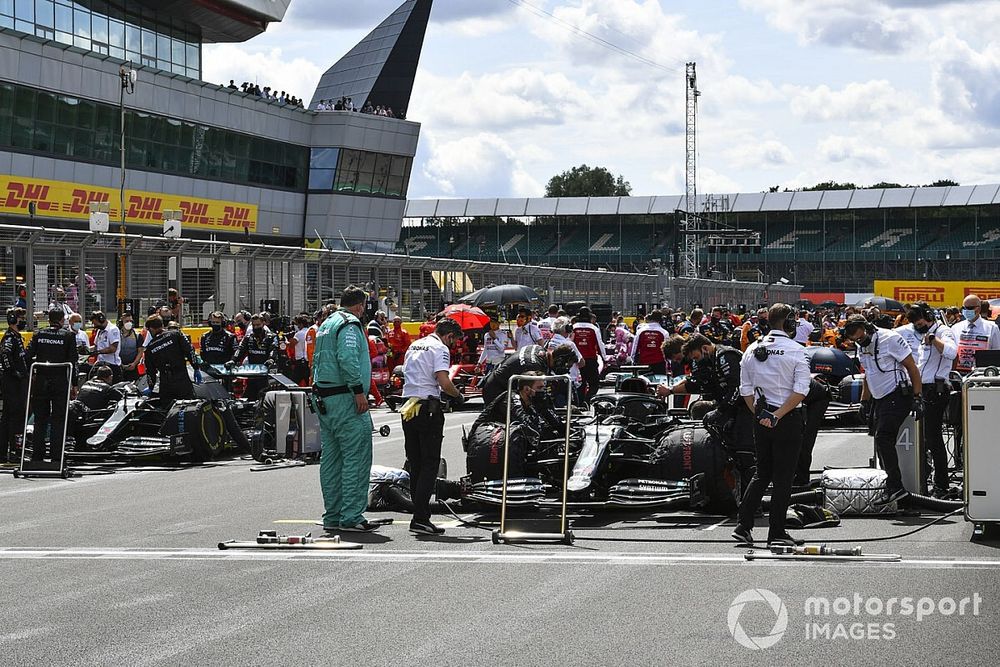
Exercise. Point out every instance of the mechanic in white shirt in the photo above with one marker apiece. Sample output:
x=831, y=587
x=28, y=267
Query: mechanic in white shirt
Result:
x=425, y=370
x=803, y=328
x=561, y=328
x=892, y=379
x=545, y=324
x=494, y=348
x=774, y=380
x=527, y=332
x=107, y=340
x=911, y=337
x=76, y=326
x=935, y=355
x=974, y=333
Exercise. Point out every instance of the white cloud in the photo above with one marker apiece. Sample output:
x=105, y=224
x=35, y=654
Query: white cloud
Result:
x=519, y=97
x=266, y=67
x=759, y=154
x=346, y=14
x=871, y=100
x=482, y=165
x=967, y=82
x=881, y=26
x=842, y=149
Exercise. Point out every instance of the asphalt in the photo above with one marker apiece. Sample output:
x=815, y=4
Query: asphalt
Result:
x=124, y=569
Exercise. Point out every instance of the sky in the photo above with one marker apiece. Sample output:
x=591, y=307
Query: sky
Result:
x=793, y=92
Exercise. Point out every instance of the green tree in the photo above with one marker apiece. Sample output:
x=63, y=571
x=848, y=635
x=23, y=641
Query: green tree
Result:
x=885, y=186
x=584, y=181
x=944, y=182
x=832, y=185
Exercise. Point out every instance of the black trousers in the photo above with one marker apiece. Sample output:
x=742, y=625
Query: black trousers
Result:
x=176, y=387
x=15, y=403
x=935, y=404
x=591, y=378
x=744, y=449
x=422, y=442
x=777, y=456
x=815, y=405
x=48, y=406
x=890, y=412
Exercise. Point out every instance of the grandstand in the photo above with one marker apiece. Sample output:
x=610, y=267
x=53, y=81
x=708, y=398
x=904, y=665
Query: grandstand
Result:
x=824, y=240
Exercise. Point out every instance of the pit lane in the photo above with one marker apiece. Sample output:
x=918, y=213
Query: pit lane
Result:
x=123, y=569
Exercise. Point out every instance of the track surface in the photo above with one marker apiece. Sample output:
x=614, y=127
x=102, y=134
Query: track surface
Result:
x=123, y=569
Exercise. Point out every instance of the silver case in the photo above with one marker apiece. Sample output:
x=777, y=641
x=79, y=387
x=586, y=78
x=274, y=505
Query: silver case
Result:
x=849, y=491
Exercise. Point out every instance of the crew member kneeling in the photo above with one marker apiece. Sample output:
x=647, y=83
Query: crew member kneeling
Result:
x=774, y=380
x=426, y=371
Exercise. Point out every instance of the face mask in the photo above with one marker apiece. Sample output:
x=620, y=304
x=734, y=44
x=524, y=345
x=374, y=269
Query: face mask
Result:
x=216, y=326
x=77, y=326
x=969, y=314
x=921, y=330
x=258, y=331
x=22, y=324
x=864, y=342
x=128, y=326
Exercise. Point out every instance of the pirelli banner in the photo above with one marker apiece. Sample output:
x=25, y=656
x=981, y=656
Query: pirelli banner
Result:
x=58, y=199
x=948, y=293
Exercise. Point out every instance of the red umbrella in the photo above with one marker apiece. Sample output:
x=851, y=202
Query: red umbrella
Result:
x=468, y=317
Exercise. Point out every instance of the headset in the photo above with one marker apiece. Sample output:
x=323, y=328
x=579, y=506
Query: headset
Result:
x=12, y=316
x=99, y=317
x=926, y=312
x=789, y=325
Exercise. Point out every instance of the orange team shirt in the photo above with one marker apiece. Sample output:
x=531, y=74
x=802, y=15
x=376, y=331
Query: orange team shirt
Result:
x=311, y=342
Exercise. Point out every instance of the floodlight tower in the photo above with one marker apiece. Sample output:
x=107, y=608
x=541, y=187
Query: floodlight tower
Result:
x=689, y=263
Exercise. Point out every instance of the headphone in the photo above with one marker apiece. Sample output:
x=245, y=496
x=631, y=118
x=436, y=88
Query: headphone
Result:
x=790, y=323
x=12, y=316
x=926, y=312
x=100, y=318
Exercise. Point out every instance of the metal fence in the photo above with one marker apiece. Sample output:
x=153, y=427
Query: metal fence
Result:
x=235, y=276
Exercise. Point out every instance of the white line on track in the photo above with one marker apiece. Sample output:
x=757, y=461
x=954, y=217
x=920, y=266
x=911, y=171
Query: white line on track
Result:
x=471, y=557
x=716, y=525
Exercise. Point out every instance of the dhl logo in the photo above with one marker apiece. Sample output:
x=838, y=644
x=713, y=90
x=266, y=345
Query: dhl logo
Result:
x=236, y=216
x=144, y=208
x=195, y=213
x=72, y=201
x=984, y=293
x=20, y=195
x=911, y=294
x=83, y=198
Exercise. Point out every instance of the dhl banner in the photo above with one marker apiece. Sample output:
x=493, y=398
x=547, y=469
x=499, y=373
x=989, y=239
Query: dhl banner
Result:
x=58, y=199
x=947, y=293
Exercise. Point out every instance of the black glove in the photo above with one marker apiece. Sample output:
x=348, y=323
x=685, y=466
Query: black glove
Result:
x=230, y=365
x=865, y=411
x=918, y=408
x=455, y=401
x=270, y=363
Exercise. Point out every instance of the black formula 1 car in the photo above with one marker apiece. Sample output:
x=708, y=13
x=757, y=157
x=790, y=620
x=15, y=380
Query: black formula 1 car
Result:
x=630, y=454
x=134, y=426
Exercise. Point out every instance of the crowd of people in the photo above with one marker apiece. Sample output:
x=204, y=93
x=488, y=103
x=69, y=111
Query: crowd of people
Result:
x=347, y=104
x=267, y=93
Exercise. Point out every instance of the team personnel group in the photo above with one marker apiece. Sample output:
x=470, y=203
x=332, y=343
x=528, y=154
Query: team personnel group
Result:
x=751, y=372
